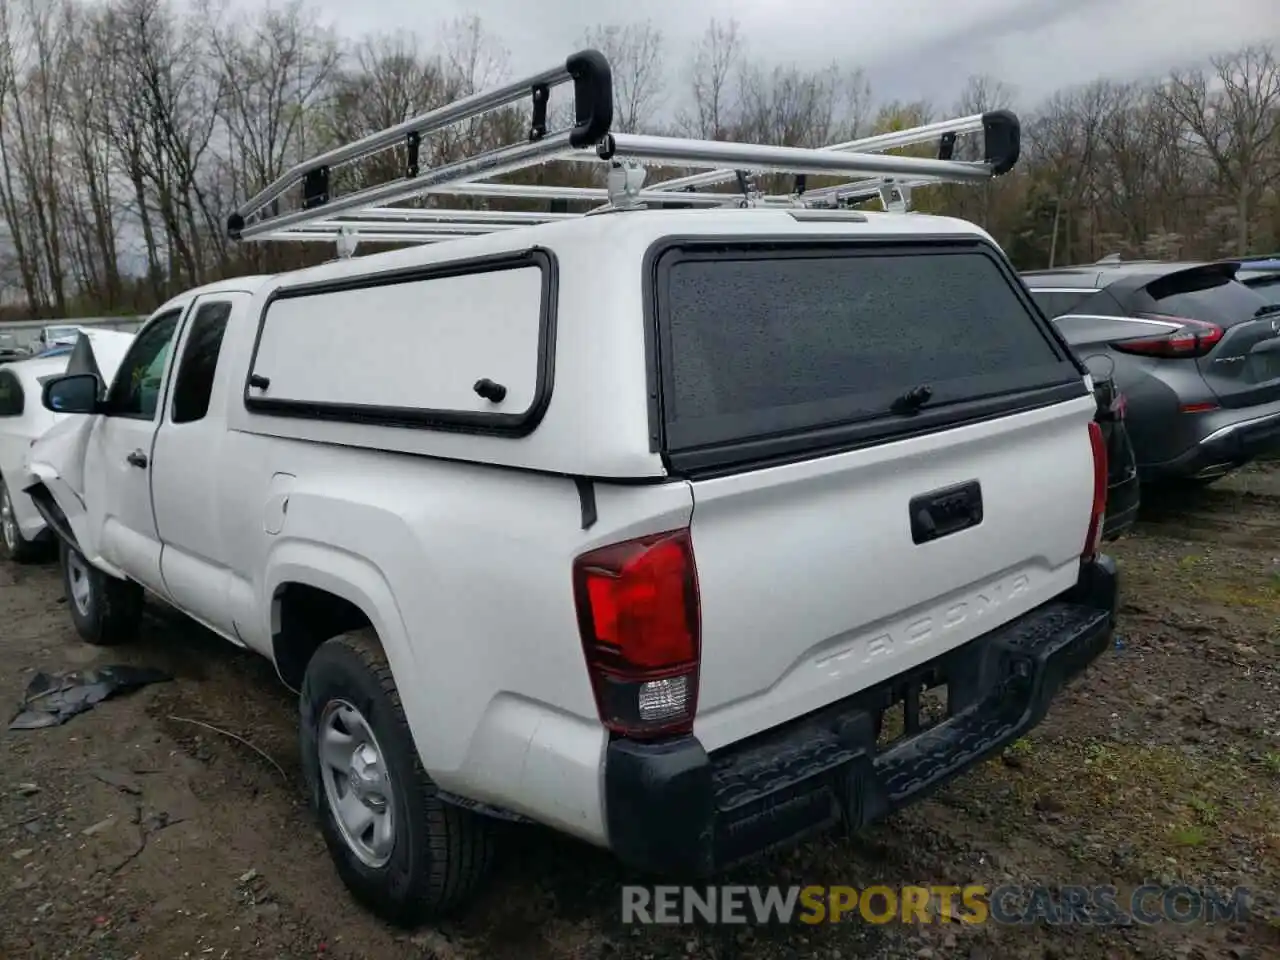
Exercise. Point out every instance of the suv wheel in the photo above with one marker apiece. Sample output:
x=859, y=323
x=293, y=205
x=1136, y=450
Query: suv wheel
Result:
x=16, y=546
x=401, y=851
x=105, y=611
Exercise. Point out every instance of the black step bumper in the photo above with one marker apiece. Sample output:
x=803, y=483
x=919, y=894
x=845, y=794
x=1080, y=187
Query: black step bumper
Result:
x=671, y=808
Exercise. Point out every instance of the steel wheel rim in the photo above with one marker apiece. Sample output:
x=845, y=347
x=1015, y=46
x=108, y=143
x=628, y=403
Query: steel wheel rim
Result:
x=357, y=785
x=8, y=523
x=81, y=588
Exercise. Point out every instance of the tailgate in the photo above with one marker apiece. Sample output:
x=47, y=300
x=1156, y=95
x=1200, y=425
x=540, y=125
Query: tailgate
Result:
x=812, y=586
x=889, y=456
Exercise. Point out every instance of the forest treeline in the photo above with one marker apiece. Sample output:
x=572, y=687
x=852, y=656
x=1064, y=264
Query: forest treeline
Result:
x=129, y=129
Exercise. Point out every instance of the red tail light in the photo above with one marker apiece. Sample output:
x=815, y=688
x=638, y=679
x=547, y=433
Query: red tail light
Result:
x=1098, y=513
x=638, y=613
x=1193, y=338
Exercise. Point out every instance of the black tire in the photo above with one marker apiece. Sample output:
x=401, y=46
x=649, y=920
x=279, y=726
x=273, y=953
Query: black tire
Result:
x=441, y=852
x=15, y=546
x=110, y=612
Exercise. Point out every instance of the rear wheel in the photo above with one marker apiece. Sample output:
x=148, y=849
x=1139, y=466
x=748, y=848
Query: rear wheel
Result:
x=105, y=611
x=17, y=547
x=401, y=851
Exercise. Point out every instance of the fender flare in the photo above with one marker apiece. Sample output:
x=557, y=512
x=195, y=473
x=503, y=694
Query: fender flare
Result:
x=354, y=579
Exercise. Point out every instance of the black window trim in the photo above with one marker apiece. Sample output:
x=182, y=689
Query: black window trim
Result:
x=178, y=313
x=715, y=459
x=211, y=299
x=512, y=425
x=22, y=394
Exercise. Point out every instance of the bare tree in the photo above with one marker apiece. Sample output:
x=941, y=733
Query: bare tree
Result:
x=637, y=54
x=275, y=69
x=84, y=113
x=37, y=51
x=1235, y=122
x=715, y=108
x=790, y=106
x=130, y=128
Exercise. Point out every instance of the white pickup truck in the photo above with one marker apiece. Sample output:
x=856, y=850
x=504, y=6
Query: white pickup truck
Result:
x=632, y=524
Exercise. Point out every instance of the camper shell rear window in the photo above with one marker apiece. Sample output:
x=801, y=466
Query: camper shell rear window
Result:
x=766, y=350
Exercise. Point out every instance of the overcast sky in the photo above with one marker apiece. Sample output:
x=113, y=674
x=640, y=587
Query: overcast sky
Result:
x=909, y=48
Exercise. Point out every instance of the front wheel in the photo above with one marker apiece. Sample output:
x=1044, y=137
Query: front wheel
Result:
x=401, y=851
x=105, y=611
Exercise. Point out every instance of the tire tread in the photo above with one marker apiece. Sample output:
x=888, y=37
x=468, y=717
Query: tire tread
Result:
x=461, y=844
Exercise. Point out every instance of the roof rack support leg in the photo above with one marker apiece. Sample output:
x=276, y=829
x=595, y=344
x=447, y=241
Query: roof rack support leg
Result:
x=895, y=197
x=625, y=181
x=346, y=242
x=747, y=184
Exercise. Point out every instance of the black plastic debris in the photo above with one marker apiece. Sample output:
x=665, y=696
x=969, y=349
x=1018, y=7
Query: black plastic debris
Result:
x=53, y=699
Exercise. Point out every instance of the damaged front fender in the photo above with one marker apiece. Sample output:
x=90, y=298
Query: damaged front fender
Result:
x=53, y=477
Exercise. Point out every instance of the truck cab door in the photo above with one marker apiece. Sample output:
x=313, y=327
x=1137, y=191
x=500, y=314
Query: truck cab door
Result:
x=118, y=456
x=190, y=476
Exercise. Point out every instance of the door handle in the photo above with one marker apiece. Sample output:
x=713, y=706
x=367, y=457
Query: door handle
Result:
x=138, y=459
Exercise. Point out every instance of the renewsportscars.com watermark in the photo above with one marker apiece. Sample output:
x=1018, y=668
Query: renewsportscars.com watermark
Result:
x=973, y=904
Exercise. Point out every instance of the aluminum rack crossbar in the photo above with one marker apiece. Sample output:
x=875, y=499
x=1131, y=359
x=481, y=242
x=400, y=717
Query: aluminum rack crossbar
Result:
x=366, y=213
x=944, y=131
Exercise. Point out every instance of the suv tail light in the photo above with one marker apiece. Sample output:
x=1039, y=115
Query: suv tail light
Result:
x=638, y=613
x=1193, y=338
x=1098, y=512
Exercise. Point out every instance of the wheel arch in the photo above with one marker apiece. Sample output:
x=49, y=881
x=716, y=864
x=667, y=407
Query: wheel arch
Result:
x=315, y=593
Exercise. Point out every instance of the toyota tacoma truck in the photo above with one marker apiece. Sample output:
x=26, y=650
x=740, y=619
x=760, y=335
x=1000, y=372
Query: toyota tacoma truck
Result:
x=644, y=524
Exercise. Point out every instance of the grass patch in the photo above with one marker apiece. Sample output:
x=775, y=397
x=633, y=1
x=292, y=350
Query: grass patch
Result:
x=1188, y=836
x=1263, y=596
x=1172, y=808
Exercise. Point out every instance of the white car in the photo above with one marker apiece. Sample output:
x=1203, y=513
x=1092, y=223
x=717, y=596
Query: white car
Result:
x=641, y=526
x=24, y=419
x=63, y=335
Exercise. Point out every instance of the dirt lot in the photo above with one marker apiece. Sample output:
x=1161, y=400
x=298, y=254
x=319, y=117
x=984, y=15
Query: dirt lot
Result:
x=133, y=832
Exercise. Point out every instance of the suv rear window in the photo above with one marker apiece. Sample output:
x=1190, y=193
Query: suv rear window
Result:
x=1209, y=296
x=762, y=340
x=1055, y=303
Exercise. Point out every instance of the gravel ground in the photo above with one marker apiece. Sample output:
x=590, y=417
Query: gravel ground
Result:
x=133, y=831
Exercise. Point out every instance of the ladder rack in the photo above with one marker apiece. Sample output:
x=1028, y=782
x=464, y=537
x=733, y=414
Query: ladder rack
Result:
x=367, y=213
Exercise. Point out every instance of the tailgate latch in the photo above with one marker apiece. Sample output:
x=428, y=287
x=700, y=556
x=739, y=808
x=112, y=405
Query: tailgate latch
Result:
x=940, y=513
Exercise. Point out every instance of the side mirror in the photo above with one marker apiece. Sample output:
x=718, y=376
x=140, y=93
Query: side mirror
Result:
x=72, y=393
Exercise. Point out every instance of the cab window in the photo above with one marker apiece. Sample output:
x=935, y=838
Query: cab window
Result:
x=136, y=389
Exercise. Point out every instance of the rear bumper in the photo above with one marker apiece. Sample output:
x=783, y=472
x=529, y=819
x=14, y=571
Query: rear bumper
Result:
x=1256, y=433
x=672, y=808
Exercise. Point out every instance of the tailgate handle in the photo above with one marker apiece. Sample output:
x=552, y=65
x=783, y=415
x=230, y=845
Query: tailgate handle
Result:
x=941, y=513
